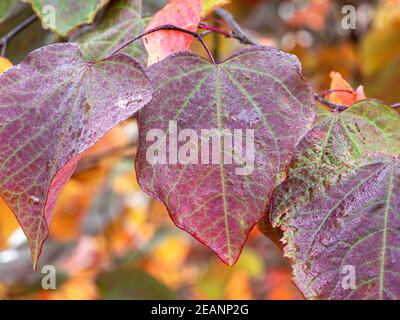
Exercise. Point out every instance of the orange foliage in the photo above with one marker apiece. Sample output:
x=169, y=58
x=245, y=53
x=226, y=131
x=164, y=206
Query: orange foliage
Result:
x=5, y=64
x=313, y=15
x=8, y=224
x=181, y=13
x=344, y=98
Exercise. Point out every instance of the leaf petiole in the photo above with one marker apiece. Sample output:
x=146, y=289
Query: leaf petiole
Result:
x=4, y=41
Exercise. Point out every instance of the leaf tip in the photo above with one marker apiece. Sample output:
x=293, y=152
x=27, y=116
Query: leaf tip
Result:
x=36, y=250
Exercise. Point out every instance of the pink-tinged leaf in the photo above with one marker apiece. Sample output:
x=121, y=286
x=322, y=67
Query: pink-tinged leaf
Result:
x=344, y=242
x=330, y=148
x=259, y=91
x=185, y=14
x=337, y=193
x=54, y=106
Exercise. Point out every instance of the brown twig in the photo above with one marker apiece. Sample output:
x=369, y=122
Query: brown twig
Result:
x=21, y=26
x=237, y=31
x=338, y=107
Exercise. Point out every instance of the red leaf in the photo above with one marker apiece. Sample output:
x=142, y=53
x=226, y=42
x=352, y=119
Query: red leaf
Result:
x=54, y=106
x=185, y=14
x=259, y=91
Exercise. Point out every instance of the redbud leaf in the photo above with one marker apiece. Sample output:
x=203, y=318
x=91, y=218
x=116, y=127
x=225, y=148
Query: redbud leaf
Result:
x=338, y=206
x=344, y=241
x=54, y=106
x=258, y=91
x=330, y=148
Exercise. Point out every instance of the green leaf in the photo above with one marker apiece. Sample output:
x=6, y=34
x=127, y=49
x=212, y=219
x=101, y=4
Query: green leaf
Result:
x=69, y=13
x=121, y=22
x=372, y=127
x=6, y=7
x=19, y=47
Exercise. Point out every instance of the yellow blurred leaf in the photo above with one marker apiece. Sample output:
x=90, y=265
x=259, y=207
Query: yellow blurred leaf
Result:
x=166, y=261
x=386, y=13
x=210, y=5
x=212, y=284
x=251, y=263
x=380, y=47
x=380, y=59
x=171, y=252
x=224, y=282
x=5, y=64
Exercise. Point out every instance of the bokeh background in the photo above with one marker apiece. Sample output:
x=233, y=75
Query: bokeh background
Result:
x=108, y=240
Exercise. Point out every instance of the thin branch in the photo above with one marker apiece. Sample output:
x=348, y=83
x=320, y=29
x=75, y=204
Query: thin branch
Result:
x=216, y=46
x=216, y=21
x=4, y=41
x=338, y=107
x=237, y=31
x=167, y=27
x=225, y=33
x=205, y=33
x=205, y=26
x=330, y=91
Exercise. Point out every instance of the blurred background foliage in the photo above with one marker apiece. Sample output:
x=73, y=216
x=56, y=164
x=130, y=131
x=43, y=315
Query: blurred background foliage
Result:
x=111, y=241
